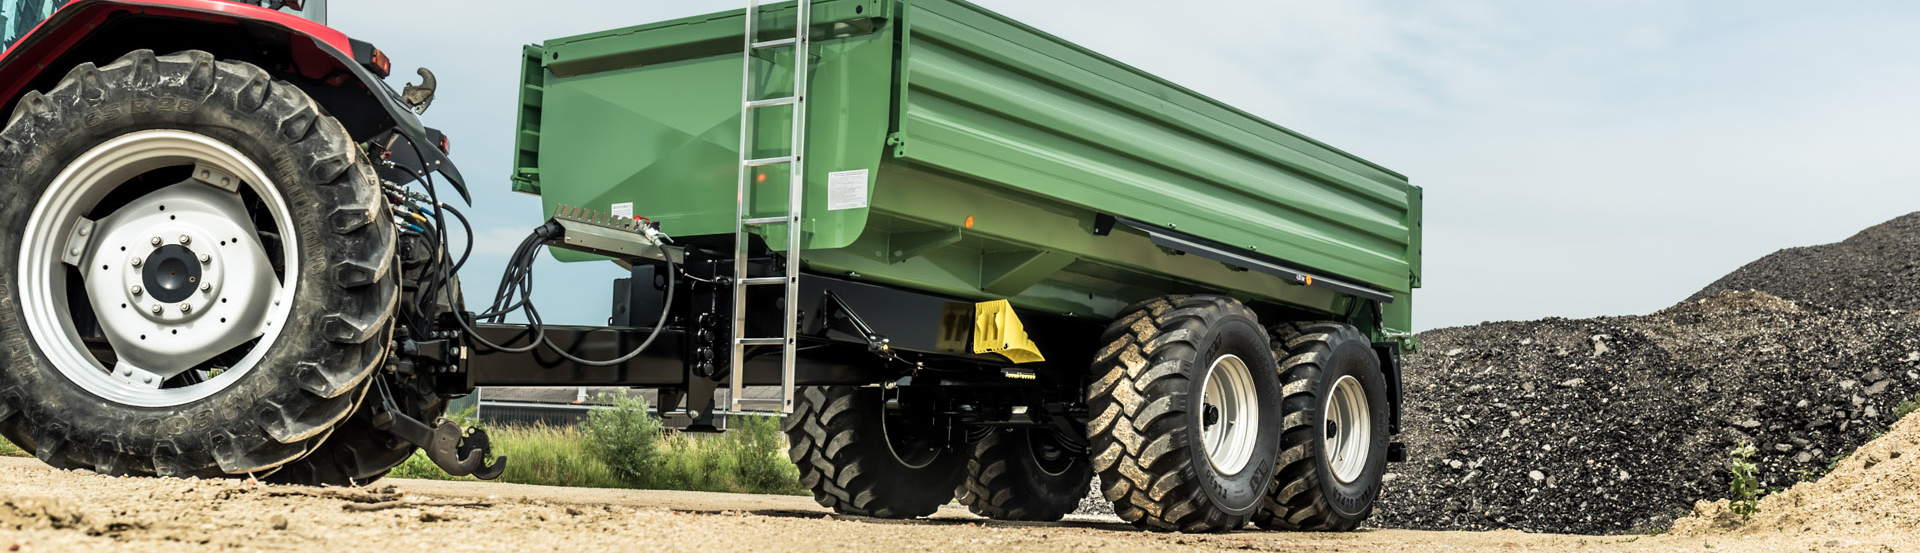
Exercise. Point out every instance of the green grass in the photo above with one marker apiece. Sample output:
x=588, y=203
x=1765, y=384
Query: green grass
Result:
x=7, y=449
x=546, y=455
x=623, y=447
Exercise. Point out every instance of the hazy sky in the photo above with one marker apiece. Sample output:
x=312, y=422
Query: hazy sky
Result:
x=1580, y=158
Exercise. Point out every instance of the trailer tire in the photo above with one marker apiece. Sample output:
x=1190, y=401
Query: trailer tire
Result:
x=320, y=276
x=1024, y=474
x=845, y=447
x=1331, y=374
x=1165, y=460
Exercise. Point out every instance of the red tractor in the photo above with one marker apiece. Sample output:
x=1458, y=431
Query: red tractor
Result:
x=218, y=221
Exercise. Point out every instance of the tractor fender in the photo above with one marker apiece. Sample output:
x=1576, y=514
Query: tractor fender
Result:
x=315, y=57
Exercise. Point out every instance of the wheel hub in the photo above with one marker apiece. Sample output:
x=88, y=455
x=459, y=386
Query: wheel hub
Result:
x=171, y=274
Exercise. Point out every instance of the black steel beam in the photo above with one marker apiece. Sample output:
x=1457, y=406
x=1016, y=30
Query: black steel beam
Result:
x=661, y=366
x=1179, y=241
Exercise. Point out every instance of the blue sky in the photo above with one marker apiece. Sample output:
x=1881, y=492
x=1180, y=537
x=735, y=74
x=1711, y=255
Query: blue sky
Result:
x=1580, y=158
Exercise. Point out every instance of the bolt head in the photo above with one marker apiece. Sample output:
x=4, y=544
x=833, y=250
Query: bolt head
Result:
x=206, y=287
x=137, y=290
x=184, y=240
x=184, y=308
x=155, y=241
x=136, y=263
x=157, y=309
x=205, y=259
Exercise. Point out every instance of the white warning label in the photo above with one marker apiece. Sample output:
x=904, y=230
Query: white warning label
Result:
x=847, y=190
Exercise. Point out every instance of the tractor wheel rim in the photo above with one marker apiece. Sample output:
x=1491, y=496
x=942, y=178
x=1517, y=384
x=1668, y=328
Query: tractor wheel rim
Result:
x=160, y=234
x=1349, y=429
x=1230, y=415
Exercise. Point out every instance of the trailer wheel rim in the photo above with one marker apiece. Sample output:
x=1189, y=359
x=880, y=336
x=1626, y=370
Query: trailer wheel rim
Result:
x=177, y=273
x=1349, y=429
x=1230, y=414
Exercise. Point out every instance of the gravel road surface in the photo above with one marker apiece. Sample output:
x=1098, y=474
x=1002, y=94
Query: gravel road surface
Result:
x=43, y=509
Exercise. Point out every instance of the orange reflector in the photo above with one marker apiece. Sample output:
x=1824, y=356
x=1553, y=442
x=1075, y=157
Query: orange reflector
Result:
x=969, y=221
x=1309, y=280
x=760, y=177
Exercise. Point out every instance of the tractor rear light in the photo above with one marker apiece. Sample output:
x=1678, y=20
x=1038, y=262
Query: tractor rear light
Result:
x=371, y=58
x=381, y=65
x=439, y=140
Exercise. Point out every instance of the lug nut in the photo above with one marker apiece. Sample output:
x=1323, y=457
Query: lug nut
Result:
x=136, y=290
x=205, y=259
x=157, y=309
x=206, y=287
x=136, y=263
x=155, y=241
x=184, y=240
x=184, y=308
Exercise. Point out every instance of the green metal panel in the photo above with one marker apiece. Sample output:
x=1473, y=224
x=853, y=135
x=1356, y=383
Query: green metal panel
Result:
x=650, y=115
x=992, y=149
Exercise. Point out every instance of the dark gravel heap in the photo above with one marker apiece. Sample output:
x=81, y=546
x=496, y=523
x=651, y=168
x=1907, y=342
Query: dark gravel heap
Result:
x=1879, y=268
x=1619, y=424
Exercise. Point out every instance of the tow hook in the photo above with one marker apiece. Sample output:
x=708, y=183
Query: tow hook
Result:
x=460, y=452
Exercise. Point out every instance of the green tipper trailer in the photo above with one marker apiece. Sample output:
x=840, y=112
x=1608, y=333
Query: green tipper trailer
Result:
x=955, y=113
x=1152, y=246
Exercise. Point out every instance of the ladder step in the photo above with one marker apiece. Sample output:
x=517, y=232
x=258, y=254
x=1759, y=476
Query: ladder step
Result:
x=765, y=401
x=770, y=102
x=763, y=281
x=765, y=44
x=765, y=161
x=757, y=221
x=761, y=341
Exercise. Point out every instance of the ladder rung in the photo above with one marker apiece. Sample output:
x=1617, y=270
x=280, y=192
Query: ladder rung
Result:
x=761, y=341
x=765, y=161
x=763, y=281
x=767, y=401
x=757, y=221
x=765, y=44
x=770, y=102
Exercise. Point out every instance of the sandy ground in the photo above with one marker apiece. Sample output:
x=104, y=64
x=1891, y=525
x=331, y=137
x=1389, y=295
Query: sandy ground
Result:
x=42, y=509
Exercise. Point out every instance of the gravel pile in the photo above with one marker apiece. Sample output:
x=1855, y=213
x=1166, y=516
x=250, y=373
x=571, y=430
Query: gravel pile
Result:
x=1619, y=424
x=1879, y=268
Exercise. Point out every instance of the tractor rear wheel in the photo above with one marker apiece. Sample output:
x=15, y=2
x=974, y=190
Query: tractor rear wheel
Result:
x=1184, y=414
x=861, y=460
x=198, y=278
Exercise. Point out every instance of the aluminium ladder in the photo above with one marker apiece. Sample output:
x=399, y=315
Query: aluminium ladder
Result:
x=743, y=230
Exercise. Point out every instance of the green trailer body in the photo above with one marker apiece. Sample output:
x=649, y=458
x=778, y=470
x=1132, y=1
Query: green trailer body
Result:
x=953, y=150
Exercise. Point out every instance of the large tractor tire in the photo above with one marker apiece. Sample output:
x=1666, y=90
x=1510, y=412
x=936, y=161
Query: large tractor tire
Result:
x=198, y=271
x=1334, y=445
x=358, y=453
x=1025, y=474
x=859, y=460
x=1184, y=412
